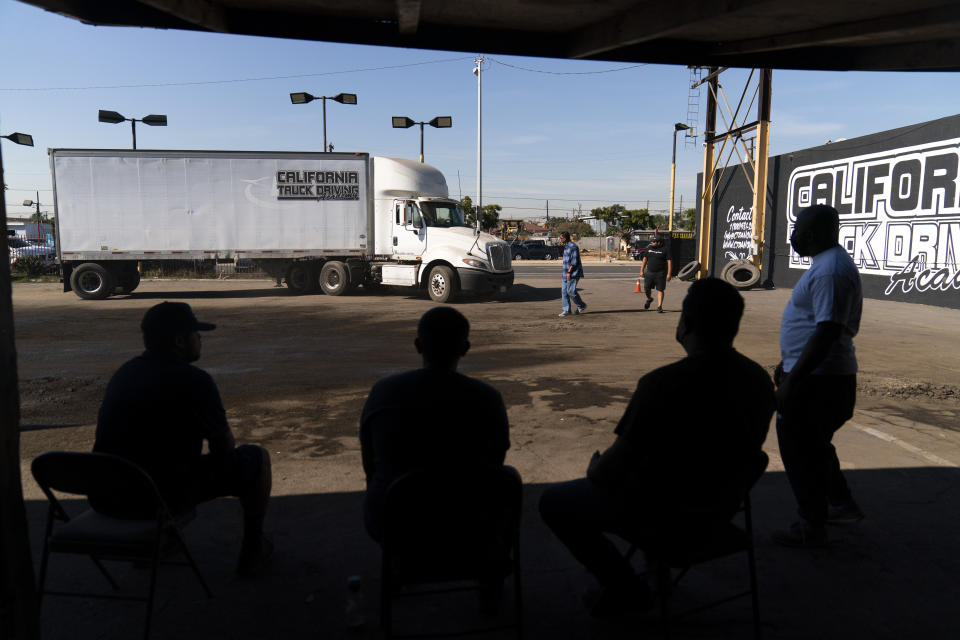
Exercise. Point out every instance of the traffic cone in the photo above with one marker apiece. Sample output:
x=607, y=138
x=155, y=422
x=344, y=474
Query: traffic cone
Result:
x=637, y=290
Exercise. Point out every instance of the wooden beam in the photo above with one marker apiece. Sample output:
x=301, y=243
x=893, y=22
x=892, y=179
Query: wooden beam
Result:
x=650, y=21
x=203, y=13
x=408, y=16
x=942, y=20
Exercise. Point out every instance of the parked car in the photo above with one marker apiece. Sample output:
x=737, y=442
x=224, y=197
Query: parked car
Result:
x=20, y=248
x=534, y=250
x=637, y=250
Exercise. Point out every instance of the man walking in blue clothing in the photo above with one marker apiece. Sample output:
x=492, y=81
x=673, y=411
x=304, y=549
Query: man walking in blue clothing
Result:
x=572, y=272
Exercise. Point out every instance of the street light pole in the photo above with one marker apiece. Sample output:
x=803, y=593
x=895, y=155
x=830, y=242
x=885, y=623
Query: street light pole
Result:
x=673, y=167
x=301, y=97
x=323, y=101
x=153, y=120
x=403, y=122
x=421, y=142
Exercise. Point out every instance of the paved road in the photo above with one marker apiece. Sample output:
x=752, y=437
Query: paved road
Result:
x=544, y=269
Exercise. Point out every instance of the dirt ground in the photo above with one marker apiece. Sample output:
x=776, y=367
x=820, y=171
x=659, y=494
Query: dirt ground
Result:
x=294, y=372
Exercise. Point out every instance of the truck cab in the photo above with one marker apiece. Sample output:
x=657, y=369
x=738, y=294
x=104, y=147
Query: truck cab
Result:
x=423, y=239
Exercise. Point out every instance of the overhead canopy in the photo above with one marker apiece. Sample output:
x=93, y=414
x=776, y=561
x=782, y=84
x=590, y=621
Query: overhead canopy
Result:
x=785, y=34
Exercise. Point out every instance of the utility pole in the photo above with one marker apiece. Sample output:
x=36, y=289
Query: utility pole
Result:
x=478, y=70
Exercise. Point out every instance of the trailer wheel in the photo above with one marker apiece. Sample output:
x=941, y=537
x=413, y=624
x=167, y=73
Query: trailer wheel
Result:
x=743, y=275
x=301, y=278
x=92, y=281
x=128, y=280
x=334, y=278
x=689, y=271
x=442, y=284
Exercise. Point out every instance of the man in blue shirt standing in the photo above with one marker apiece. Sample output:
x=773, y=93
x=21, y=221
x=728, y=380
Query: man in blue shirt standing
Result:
x=816, y=378
x=572, y=272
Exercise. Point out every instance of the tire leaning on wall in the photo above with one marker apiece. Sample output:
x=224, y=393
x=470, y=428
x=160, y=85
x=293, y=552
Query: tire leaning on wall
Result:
x=689, y=271
x=742, y=274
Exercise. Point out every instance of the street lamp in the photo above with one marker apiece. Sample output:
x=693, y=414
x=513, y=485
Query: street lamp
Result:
x=673, y=166
x=301, y=97
x=17, y=138
x=112, y=117
x=440, y=122
x=31, y=203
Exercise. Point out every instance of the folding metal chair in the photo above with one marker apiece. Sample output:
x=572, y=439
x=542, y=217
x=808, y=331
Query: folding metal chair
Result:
x=114, y=486
x=682, y=548
x=441, y=528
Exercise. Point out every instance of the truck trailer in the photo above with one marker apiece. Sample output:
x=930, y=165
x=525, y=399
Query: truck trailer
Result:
x=327, y=221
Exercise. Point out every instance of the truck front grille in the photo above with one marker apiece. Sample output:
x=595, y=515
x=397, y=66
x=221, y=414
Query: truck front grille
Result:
x=499, y=253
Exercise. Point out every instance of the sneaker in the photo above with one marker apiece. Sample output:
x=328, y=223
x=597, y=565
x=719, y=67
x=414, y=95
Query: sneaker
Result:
x=646, y=305
x=802, y=535
x=848, y=513
x=564, y=313
x=659, y=309
x=253, y=562
x=606, y=602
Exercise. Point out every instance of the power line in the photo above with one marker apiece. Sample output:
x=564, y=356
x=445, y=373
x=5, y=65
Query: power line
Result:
x=233, y=80
x=568, y=73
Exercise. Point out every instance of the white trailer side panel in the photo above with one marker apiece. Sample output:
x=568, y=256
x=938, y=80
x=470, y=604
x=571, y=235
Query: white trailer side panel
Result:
x=122, y=204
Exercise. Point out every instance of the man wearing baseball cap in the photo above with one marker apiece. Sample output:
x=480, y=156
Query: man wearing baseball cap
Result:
x=159, y=410
x=655, y=271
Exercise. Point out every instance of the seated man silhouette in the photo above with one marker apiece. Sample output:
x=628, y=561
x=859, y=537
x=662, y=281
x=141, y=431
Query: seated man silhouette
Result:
x=432, y=418
x=684, y=445
x=159, y=410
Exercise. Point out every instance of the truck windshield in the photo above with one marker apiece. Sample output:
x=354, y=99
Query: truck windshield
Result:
x=442, y=214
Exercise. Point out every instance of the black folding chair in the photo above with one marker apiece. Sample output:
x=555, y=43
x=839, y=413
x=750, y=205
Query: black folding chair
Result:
x=693, y=543
x=114, y=486
x=441, y=528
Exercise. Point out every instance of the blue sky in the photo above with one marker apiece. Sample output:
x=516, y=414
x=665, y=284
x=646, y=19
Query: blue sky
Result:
x=565, y=131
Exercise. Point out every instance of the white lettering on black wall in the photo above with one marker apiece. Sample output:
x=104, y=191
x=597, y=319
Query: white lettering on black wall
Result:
x=899, y=212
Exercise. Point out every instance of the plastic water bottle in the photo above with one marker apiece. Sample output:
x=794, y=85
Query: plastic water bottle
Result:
x=354, y=609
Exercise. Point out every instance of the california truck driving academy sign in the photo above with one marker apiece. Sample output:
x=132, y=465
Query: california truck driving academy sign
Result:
x=899, y=212
x=318, y=185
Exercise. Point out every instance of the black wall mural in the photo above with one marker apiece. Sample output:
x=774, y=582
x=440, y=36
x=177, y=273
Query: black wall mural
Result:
x=899, y=201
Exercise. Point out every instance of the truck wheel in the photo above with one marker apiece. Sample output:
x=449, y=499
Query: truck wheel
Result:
x=518, y=256
x=92, y=281
x=128, y=280
x=442, y=284
x=334, y=278
x=548, y=256
x=301, y=278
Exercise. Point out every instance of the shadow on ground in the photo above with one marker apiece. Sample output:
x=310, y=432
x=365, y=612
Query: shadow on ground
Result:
x=891, y=576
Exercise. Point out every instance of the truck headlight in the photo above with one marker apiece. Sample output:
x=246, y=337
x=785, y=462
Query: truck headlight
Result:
x=477, y=264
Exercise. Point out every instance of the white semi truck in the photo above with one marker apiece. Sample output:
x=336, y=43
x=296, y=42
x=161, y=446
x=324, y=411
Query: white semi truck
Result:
x=328, y=221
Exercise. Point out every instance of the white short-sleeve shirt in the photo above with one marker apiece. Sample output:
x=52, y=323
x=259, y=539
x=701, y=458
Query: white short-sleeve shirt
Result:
x=830, y=291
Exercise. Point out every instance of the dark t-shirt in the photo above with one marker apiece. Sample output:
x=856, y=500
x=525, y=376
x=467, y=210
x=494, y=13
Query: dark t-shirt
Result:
x=690, y=432
x=656, y=259
x=428, y=419
x=157, y=412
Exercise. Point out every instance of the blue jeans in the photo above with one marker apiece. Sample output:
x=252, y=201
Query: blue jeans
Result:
x=568, y=292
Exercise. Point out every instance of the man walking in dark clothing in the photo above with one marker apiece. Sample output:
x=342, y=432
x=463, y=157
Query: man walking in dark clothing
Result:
x=159, y=410
x=431, y=418
x=655, y=269
x=817, y=378
x=671, y=457
x=572, y=272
